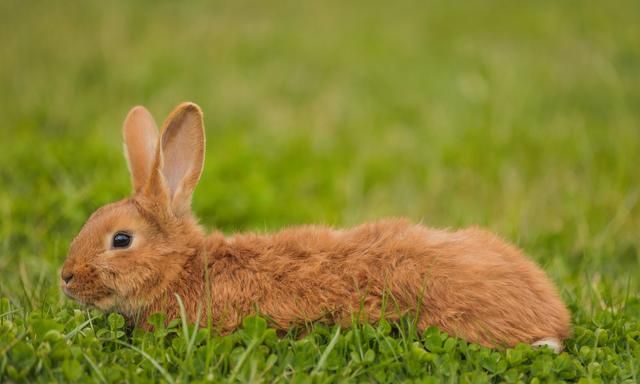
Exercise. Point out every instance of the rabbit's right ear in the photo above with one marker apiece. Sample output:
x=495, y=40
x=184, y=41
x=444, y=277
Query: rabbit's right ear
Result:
x=140, y=140
x=179, y=159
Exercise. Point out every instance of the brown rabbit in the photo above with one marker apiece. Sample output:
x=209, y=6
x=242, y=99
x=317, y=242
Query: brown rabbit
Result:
x=136, y=255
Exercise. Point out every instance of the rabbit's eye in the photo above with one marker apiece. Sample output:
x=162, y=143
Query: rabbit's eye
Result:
x=121, y=240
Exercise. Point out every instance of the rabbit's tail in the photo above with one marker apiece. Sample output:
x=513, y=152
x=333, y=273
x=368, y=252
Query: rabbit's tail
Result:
x=550, y=342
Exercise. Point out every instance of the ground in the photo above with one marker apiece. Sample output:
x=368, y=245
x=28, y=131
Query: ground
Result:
x=522, y=117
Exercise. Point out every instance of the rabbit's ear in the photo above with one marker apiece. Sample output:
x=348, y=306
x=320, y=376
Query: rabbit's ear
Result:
x=140, y=142
x=180, y=157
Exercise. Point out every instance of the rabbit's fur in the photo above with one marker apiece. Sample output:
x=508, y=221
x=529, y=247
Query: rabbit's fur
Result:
x=469, y=283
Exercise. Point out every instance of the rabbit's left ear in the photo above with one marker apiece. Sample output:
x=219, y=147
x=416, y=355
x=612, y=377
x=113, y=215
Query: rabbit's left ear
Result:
x=179, y=158
x=140, y=139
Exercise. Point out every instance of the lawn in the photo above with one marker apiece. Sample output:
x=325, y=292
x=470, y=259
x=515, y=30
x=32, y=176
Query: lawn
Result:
x=522, y=117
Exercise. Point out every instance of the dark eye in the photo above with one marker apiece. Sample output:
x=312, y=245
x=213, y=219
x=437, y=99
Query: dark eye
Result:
x=121, y=240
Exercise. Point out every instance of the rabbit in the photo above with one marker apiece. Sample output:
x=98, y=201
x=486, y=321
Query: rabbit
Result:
x=137, y=256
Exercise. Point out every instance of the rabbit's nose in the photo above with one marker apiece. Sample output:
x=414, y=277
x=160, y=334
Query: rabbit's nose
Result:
x=67, y=276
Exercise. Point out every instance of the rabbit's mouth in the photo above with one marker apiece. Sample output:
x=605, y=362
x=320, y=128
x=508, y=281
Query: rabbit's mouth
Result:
x=102, y=302
x=74, y=296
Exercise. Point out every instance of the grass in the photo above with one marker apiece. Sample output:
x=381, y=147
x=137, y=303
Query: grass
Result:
x=520, y=117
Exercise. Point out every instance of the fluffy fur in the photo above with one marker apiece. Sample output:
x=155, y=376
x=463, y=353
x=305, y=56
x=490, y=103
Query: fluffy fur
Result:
x=469, y=283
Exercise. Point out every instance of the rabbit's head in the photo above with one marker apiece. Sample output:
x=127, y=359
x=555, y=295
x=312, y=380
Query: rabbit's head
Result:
x=129, y=251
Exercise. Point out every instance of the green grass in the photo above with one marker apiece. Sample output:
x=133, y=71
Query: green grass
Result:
x=522, y=117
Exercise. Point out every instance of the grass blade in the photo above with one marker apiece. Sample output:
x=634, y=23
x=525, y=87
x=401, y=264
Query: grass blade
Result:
x=162, y=371
x=325, y=354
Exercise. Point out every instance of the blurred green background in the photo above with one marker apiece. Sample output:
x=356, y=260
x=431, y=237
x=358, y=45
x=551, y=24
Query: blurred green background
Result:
x=519, y=116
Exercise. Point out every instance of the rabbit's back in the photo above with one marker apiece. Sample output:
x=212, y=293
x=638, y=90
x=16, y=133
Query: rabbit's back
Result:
x=469, y=283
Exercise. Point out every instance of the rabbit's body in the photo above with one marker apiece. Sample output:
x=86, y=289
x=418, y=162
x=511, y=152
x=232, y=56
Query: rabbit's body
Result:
x=469, y=283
